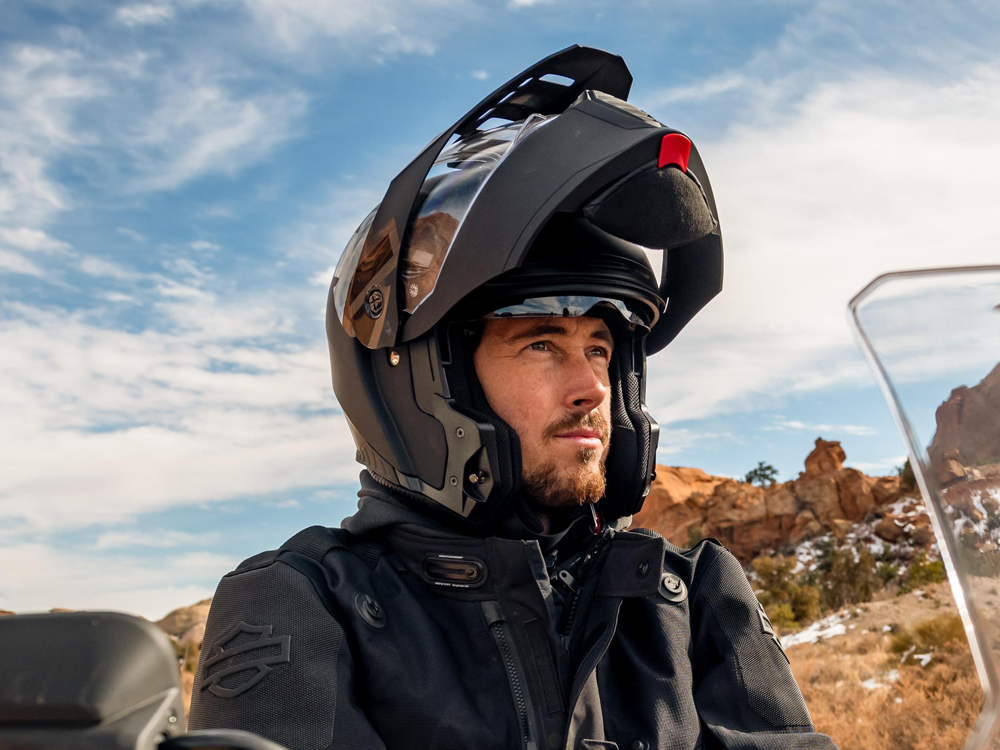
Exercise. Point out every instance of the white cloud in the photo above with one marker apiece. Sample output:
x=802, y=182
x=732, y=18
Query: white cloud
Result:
x=204, y=245
x=131, y=234
x=144, y=14
x=11, y=262
x=132, y=422
x=117, y=297
x=284, y=504
x=39, y=577
x=814, y=203
x=480, y=75
x=33, y=240
x=721, y=83
x=39, y=92
x=380, y=23
x=153, y=538
x=93, y=266
x=198, y=129
x=130, y=121
x=679, y=439
x=823, y=429
x=877, y=468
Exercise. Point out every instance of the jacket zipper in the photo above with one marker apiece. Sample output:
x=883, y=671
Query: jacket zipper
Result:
x=518, y=688
x=515, y=683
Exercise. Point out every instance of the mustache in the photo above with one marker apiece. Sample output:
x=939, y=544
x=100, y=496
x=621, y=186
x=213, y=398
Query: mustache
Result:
x=591, y=420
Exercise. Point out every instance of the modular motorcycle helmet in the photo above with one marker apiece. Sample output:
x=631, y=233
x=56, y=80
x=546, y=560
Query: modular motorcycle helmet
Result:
x=553, y=196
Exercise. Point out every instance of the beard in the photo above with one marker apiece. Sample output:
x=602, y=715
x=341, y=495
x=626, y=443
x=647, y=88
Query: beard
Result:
x=552, y=484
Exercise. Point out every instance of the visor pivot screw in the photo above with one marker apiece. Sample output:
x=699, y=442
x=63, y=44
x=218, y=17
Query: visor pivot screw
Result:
x=453, y=481
x=477, y=478
x=374, y=302
x=460, y=432
x=393, y=358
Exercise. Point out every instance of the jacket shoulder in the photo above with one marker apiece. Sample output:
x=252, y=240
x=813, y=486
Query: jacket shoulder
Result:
x=691, y=564
x=315, y=542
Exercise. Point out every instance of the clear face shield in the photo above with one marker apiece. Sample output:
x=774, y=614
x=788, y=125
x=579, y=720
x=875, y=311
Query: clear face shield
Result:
x=932, y=338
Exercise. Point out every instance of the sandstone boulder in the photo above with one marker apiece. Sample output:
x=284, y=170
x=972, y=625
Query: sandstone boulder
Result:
x=855, y=490
x=180, y=622
x=820, y=495
x=826, y=458
x=888, y=530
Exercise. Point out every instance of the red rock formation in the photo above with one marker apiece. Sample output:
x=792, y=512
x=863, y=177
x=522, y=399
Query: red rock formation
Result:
x=750, y=519
x=826, y=458
x=967, y=429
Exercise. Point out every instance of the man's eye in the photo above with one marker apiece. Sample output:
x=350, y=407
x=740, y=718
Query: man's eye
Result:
x=538, y=346
x=601, y=352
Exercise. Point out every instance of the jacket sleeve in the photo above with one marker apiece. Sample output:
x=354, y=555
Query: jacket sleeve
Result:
x=275, y=662
x=744, y=690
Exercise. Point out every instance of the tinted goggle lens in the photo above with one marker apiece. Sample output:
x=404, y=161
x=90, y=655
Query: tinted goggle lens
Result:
x=571, y=306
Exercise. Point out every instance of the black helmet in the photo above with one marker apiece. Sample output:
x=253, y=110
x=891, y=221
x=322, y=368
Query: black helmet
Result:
x=575, y=202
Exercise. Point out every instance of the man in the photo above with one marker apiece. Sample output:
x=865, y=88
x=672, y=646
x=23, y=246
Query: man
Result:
x=488, y=328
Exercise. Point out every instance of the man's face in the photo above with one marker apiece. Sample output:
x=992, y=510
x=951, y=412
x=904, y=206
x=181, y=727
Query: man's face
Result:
x=548, y=379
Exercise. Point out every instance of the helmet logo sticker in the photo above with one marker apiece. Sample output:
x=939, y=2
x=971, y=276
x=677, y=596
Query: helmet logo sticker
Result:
x=374, y=302
x=245, y=656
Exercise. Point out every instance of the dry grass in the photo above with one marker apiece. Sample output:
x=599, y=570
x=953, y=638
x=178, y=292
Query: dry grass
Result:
x=926, y=708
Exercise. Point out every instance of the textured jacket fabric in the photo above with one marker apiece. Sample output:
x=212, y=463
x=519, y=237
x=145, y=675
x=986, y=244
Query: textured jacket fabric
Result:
x=363, y=639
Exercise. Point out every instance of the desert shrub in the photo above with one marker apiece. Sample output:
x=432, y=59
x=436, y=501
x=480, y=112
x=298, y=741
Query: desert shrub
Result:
x=781, y=589
x=694, y=535
x=902, y=642
x=887, y=572
x=776, y=575
x=763, y=474
x=922, y=572
x=806, y=603
x=939, y=631
x=843, y=578
x=906, y=479
x=934, y=634
x=781, y=616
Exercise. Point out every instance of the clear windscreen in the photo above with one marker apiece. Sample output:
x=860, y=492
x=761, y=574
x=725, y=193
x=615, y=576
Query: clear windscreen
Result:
x=933, y=340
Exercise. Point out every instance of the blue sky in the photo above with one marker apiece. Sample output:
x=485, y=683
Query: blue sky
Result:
x=177, y=179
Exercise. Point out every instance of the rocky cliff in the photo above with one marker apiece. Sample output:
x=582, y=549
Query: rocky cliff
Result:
x=687, y=504
x=966, y=442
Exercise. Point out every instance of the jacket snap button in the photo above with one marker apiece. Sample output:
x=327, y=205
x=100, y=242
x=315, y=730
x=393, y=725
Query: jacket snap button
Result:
x=370, y=610
x=639, y=745
x=643, y=569
x=672, y=588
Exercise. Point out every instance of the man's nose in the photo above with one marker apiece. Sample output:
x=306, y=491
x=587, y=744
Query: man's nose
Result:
x=584, y=388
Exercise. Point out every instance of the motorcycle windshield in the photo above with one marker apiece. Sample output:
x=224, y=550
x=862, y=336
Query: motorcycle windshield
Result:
x=932, y=338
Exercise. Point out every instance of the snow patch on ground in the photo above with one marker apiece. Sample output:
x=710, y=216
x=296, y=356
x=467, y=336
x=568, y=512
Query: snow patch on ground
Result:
x=828, y=627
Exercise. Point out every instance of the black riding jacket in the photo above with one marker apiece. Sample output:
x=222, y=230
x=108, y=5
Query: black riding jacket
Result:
x=397, y=632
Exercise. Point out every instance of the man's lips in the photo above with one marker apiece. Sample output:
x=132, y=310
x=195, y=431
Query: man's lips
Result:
x=584, y=438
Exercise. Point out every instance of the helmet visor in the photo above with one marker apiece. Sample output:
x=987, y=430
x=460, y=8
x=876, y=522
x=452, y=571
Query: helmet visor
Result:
x=571, y=306
x=457, y=178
